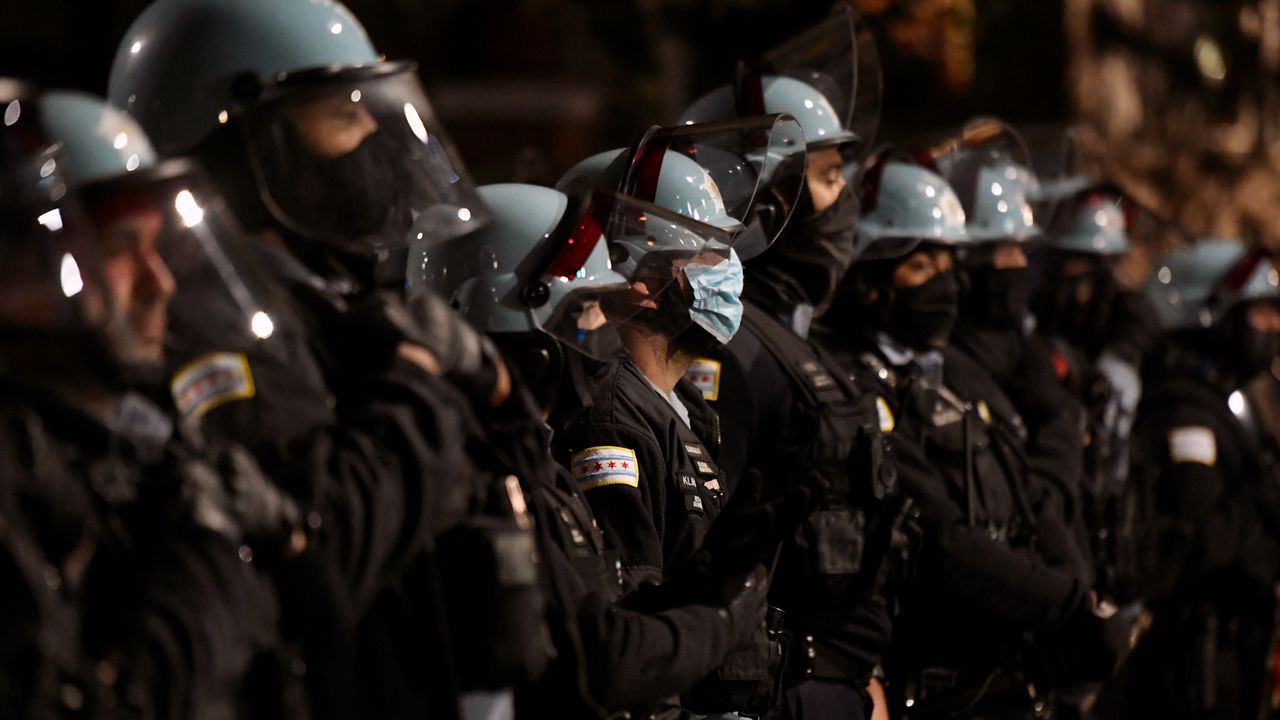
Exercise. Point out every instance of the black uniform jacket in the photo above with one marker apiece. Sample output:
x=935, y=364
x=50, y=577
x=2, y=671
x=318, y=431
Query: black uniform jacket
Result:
x=652, y=482
x=972, y=594
x=103, y=563
x=611, y=657
x=764, y=429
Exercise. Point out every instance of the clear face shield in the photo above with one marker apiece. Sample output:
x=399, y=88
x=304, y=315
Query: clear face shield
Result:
x=655, y=253
x=181, y=274
x=989, y=167
x=357, y=157
x=756, y=167
x=51, y=279
x=838, y=57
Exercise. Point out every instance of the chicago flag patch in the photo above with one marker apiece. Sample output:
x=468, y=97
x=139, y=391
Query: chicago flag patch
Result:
x=606, y=465
x=210, y=381
x=705, y=374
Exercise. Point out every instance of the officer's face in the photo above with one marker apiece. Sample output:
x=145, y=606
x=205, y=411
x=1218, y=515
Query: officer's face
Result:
x=922, y=266
x=1079, y=272
x=824, y=177
x=1264, y=317
x=138, y=283
x=1009, y=256
x=333, y=126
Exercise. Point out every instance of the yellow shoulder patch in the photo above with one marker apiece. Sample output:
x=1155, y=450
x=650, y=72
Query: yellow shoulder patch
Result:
x=1193, y=444
x=984, y=411
x=887, y=422
x=605, y=465
x=704, y=373
x=210, y=381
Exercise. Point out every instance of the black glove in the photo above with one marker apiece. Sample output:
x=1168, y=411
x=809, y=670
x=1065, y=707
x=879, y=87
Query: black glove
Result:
x=752, y=525
x=468, y=358
x=747, y=608
x=1087, y=648
x=230, y=495
x=358, y=336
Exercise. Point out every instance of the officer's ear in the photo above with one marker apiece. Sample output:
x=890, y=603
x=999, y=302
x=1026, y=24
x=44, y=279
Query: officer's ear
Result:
x=641, y=295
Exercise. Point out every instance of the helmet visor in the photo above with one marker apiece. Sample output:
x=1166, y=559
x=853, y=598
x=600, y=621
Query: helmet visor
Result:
x=176, y=256
x=358, y=158
x=838, y=57
x=988, y=166
x=50, y=270
x=648, y=246
x=757, y=165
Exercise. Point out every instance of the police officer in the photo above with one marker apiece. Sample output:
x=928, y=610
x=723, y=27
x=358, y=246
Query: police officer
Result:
x=531, y=292
x=980, y=581
x=987, y=164
x=1202, y=491
x=131, y=546
x=1097, y=331
x=333, y=160
x=786, y=404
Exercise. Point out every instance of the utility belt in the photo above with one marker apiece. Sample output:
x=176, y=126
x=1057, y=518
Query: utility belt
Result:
x=750, y=680
x=493, y=600
x=812, y=657
x=933, y=693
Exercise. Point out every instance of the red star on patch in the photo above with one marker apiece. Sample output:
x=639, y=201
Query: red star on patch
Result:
x=599, y=466
x=706, y=378
x=613, y=464
x=625, y=466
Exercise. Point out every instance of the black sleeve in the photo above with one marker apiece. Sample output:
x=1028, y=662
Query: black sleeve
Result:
x=632, y=517
x=388, y=476
x=1055, y=429
x=964, y=562
x=621, y=658
x=1200, y=526
x=754, y=404
x=639, y=659
x=201, y=623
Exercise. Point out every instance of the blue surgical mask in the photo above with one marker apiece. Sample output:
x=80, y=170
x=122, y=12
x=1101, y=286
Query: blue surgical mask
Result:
x=717, y=296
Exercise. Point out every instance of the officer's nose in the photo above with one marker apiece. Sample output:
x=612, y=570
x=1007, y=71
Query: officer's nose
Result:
x=155, y=280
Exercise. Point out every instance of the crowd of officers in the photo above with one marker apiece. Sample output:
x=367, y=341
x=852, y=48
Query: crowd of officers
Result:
x=750, y=418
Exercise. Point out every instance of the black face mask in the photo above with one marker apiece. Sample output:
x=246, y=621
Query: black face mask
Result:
x=352, y=195
x=816, y=248
x=1058, y=313
x=997, y=298
x=1260, y=350
x=923, y=316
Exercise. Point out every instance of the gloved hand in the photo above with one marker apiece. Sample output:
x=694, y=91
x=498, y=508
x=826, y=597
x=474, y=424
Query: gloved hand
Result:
x=1087, y=648
x=466, y=356
x=359, y=336
x=753, y=524
x=229, y=494
x=746, y=608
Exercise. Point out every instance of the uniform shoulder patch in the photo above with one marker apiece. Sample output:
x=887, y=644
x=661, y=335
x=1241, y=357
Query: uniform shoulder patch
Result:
x=605, y=465
x=704, y=373
x=885, y=413
x=1193, y=444
x=984, y=412
x=211, y=380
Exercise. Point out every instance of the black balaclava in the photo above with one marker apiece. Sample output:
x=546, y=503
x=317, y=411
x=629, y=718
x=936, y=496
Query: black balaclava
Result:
x=1244, y=349
x=804, y=266
x=1227, y=354
x=920, y=317
x=1057, y=312
x=225, y=156
x=996, y=298
x=352, y=195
